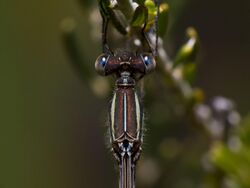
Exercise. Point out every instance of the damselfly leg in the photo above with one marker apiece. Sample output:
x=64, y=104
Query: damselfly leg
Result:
x=105, y=47
x=152, y=42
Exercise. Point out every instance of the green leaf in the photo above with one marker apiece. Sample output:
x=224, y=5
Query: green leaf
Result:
x=118, y=20
x=188, y=52
x=236, y=164
x=126, y=8
x=189, y=72
x=245, y=131
x=152, y=12
x=152, y=9
x=163, y=19
x=140, y=16
x=185, y=60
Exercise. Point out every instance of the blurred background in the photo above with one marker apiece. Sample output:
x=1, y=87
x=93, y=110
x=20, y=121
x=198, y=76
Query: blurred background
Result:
x=53, y=128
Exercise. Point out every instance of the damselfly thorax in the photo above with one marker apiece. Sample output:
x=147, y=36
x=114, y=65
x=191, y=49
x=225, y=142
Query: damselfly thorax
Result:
x=126, y=114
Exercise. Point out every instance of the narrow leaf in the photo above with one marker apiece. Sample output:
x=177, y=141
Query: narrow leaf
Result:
x=118, y=20
x=139, y=17
x=152, y=9
x=163, y=19
x=189, y=72
x=188, y=52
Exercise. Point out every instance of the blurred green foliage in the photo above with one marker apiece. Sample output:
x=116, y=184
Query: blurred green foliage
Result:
x=234, y=160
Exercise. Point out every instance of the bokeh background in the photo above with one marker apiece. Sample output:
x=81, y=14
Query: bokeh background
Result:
x=52, y=127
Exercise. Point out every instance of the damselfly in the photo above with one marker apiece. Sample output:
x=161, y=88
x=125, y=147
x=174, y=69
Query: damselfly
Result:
x=126, y=109
x=126, y=115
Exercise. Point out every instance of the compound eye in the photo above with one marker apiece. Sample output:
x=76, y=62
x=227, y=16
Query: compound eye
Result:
x=149, y=62
x=101, y=63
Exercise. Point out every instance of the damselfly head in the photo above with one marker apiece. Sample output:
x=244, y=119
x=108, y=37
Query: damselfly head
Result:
x=136, y=64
